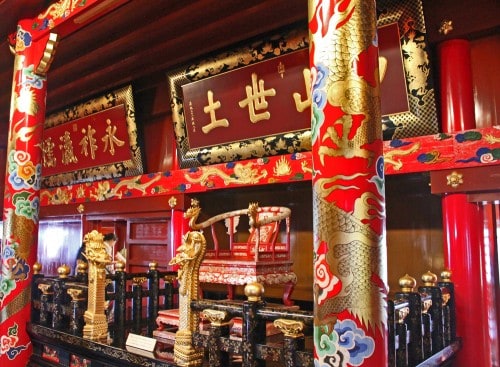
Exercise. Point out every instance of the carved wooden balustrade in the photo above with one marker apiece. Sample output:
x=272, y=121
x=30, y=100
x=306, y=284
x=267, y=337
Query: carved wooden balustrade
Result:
x=421, y=321
x=60, y=302
x=254, y=342
x=421, y=326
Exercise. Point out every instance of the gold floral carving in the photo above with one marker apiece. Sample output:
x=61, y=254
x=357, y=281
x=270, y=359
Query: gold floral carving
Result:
x=172, y=202
x=446, y=26
x=454, y=179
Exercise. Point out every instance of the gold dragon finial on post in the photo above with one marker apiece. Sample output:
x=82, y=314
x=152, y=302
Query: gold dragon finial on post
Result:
x=96, y=324
x=189, y=257
x=193, y=213
x=253, y=211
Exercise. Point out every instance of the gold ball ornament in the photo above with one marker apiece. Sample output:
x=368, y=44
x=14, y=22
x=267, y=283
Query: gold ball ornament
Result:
x=407, y=283
x=63, y=271
x=254, y=291
x=446, y=275
x=37, y=268
x=429, y=279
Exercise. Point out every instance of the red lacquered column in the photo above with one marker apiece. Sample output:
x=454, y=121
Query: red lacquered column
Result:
x=463, y=221
x=350, y=274
x=489, y=279
x=464, y=242
x=22, y=189
x=457, y=94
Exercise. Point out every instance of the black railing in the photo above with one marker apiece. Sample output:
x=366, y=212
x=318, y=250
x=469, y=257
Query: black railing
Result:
x=421, y=321
x=254, y=341
x=134, y=300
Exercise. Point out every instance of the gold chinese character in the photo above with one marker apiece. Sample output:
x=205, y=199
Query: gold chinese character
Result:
x=281, y=69
x=67, y=148
x=256, y=99
x=210, y=108
x=48, y=158
x=88, y=141
x=110, y=138
x=299, y=104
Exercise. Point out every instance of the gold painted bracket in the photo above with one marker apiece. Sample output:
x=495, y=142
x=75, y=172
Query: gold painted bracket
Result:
x=216, y=317
x=290, y=328
x=48, y=55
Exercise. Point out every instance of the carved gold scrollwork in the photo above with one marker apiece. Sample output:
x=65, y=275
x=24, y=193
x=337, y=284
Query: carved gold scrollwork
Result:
x=216, y=317
x=139, y=280
x=169, y=278
x=290, y=328
x=426, y=305
x=401, y=314
x=446, y=297
x=46, y=288
x=75, y=294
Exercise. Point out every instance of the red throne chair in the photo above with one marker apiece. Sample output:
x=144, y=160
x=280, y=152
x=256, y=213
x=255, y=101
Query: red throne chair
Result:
x=264, y=257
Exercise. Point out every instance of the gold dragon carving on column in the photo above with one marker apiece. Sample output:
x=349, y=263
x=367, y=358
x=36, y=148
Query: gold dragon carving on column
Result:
x=96, y=323
x=354, y=248
x=189, y=257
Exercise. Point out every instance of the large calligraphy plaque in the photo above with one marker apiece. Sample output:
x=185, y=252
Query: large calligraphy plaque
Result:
x=249, y=103
x=246, y=103
x=91, y=141
x=253, y=102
